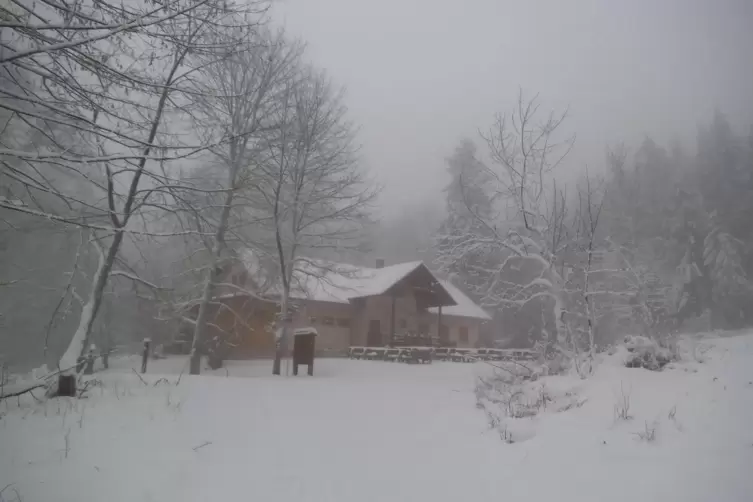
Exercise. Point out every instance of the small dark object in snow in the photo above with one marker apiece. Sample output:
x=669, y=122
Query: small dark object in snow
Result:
x=89, y=368
x=715, y=379
x=67, y=385
x=604, y=442
x=145, y=354
x=304, y=343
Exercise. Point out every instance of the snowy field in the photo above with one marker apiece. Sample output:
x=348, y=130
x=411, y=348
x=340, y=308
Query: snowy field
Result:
x=377, y=431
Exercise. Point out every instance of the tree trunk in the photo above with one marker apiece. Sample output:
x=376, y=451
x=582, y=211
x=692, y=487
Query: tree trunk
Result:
x=201, y=319
x=89, y=312
x=80, y=338
x=281, y=333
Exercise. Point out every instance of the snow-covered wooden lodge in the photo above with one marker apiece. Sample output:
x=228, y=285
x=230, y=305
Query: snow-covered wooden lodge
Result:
x=348, y=305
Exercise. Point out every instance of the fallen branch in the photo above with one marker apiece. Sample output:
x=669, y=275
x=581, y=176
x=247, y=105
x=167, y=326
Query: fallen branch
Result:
x=31, y=393
x=22, y=392
x=181, y=375
x=202, y=445
x=137, y=374
x=18, y=495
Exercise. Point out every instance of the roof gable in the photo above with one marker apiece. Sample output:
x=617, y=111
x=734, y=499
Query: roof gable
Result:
x=411, y=275
x=323, y=281
x=465, y=306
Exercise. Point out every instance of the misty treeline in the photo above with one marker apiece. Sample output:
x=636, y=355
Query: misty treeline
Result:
x=144, y=148
x=657, y=241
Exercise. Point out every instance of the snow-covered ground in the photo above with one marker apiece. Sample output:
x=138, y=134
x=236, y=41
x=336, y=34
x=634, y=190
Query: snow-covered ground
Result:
x=363, y=430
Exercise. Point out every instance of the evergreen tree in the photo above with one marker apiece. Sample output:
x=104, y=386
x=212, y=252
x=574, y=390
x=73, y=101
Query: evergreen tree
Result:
x=468, y=208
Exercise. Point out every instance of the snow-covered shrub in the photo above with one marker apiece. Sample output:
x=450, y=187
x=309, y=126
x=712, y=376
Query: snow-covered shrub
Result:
x=671, y=344
x=556, y=364
x=643, y=352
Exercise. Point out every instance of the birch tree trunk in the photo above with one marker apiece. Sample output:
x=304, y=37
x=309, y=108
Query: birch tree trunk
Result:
x=80, y=339
x=89, y=313
x=281, y=333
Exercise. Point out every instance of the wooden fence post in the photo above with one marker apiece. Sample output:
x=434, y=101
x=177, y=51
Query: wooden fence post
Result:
x=145, y=355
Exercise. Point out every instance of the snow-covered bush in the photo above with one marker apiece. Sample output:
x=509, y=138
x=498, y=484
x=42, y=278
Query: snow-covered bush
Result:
x=556, y=364
x=643, y=352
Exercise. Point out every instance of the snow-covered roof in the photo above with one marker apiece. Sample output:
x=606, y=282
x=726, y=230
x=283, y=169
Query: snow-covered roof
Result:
x=341, y=283
x=323, y=281
x=465, y=306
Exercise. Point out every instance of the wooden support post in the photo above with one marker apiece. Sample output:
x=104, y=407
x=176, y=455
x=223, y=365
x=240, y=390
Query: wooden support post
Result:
x=145, y=355
x=439, y=325
x=392, y=321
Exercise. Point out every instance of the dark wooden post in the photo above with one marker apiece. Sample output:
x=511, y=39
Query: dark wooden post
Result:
x=276, y=364
x=304, y=343
x=67, y=385
x=439, y=325
x=145, y=355
x=281, y=341
x=89, y=368
x=392, y=321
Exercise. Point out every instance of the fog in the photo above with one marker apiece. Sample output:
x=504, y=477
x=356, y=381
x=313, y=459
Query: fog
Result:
x=558, y=194
x=421, y=74
x=260, y=151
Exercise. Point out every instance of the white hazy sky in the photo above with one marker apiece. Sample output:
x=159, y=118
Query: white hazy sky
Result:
x=420, y=74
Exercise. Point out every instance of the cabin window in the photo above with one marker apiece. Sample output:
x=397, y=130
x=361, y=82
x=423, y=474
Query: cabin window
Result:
x=343, y=323
x=423, y=329
x=313, y=320
x=328, y=321
x=463, y=334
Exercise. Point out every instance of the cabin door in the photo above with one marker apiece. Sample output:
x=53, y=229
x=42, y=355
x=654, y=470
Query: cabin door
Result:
x=374, y=335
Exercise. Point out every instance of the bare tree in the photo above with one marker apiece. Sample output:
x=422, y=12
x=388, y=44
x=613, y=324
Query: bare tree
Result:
x=526, y=231
x=91, y=85
x=250, y=83
x=311, y=187
x=588, y=274
x=526, y=151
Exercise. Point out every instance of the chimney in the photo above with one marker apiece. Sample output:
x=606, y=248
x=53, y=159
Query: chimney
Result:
x=380, y=263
